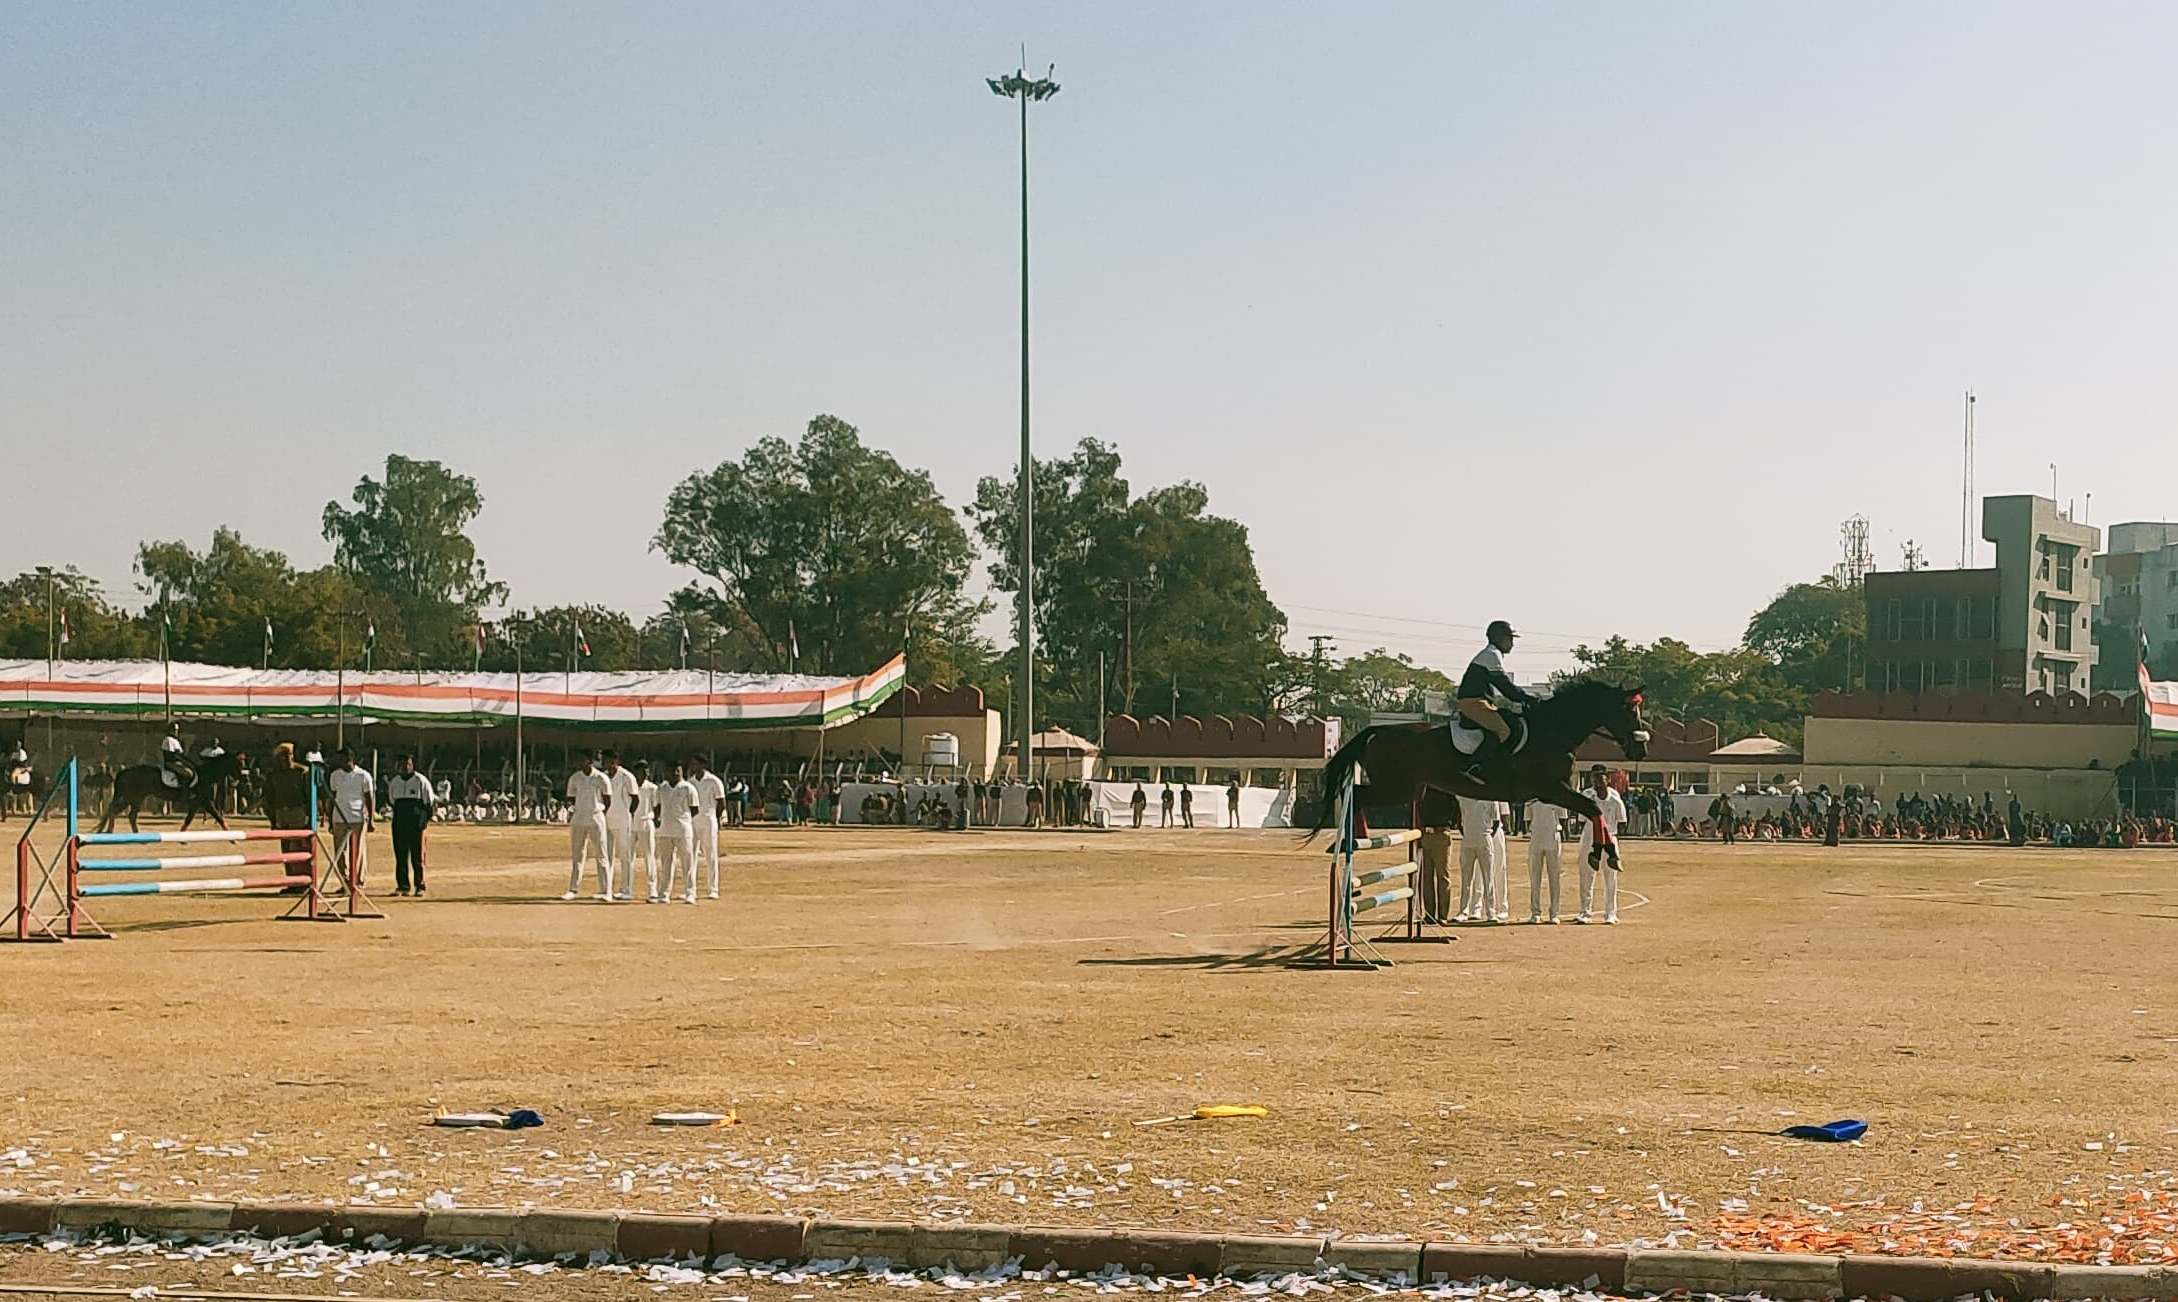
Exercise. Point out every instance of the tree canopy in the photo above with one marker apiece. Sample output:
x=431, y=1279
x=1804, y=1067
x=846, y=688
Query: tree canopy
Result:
x=403, y=540
x=830, y=547
x=1166, y=591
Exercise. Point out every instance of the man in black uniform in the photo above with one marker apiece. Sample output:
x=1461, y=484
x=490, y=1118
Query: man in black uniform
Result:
x=1486, y=683
x=412, y=799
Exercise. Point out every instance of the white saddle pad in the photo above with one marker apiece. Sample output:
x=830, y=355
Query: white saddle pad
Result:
x=1466, y=737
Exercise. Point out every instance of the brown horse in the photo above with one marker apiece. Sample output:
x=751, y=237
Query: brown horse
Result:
x=1401, y=761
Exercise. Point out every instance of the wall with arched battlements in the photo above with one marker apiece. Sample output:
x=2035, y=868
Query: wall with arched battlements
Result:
x=1238, y=738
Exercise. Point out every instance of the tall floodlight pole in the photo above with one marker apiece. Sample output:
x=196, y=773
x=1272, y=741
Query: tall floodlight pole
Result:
x=1018, y=86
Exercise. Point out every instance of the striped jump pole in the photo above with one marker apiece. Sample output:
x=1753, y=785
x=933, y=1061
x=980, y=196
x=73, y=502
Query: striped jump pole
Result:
x=51, y=907
x=1354, y=890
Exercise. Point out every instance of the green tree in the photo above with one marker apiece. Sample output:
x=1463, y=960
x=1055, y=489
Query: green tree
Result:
x=1739, y=690
x=1166, y=591
x=1381, y=682
x=404, y=539
x=98, y=630
x=218, y=602
x=828, y=545
x=1809, y=632
x=547, y=637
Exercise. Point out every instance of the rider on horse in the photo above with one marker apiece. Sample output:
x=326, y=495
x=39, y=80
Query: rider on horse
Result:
x=174, y=766
x=1486, y=683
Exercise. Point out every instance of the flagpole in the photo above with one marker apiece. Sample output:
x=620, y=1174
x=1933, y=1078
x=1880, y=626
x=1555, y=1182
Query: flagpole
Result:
x=521, y=769
x=340, y=684
x=52, y=647
x=166, y=658
x=362, y=722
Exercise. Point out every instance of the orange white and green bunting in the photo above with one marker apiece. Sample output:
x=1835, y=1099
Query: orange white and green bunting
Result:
x=2160, y=700
x=666, y=700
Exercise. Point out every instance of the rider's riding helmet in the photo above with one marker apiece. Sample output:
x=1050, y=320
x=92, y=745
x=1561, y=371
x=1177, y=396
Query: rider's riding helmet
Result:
x=1498, y=628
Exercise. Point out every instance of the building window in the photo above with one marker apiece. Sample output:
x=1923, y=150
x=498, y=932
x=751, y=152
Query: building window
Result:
x=2170, y=579
x=1891, y=618
x=2064, y=679
x=1915, y=628
x=2171, y=620
x=2064, y=635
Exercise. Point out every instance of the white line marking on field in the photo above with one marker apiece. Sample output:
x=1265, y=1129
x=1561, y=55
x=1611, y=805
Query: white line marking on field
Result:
x=1243, y=899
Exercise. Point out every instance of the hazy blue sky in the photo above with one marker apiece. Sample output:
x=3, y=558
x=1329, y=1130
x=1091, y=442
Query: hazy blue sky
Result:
x=1598, y=318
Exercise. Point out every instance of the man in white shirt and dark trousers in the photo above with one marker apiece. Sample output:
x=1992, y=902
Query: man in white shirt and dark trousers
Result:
x=1477, y=817
x=588, y=792
x=676, y=817
x=620, y=821
x=1599, y=845
x=413, y=800
x=1546, y=833
x=354, y=800
x=710, y=794
x=643, y=837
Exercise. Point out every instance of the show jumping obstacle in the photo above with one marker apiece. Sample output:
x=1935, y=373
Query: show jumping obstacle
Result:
x=1357, y=890
x=50, y=888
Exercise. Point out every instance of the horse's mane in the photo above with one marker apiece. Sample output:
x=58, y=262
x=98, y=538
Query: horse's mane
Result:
x=1583, y=694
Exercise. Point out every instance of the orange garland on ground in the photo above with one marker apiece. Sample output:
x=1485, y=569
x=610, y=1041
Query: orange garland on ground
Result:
x=2142, y=1231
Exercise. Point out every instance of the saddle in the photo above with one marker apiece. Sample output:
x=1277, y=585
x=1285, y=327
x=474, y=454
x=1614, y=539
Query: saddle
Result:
x=1471, y=740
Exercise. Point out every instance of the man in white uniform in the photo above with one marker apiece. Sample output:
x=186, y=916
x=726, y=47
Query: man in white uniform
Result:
x=710, y=794
x=1599, y=847
x=1546, y=834
x=620, y=821
x=643, y=837
x=1500, y=892
x=355, y=802
x=1476, y=819
x=676, y=818
x=588, y=792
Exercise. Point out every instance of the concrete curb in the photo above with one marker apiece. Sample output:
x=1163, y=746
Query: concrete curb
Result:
x=922, y=1245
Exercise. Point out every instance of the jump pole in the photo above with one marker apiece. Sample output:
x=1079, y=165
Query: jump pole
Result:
x=1414, y=928
x=53, y=908
x=1350, y=892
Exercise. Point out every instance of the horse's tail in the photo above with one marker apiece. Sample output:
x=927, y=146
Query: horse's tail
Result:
x=1337, y=772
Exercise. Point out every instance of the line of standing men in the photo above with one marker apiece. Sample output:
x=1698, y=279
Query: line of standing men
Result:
x=1484, y=894
x=618, y=815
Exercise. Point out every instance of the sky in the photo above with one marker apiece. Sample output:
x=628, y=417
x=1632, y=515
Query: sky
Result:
x=1598, y=318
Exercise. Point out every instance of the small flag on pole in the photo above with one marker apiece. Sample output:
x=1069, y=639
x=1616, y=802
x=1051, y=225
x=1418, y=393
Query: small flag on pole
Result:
x=370, y=634
x=684, y=644
x=268, y=639
x=65, y=636
x=476, y=642
x=794, y=645
x=582, y=644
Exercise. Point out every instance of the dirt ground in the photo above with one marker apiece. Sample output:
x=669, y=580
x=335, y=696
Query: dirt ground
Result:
x=915, y=1024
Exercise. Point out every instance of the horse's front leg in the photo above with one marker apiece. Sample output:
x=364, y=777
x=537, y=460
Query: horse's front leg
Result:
x=1576, y=801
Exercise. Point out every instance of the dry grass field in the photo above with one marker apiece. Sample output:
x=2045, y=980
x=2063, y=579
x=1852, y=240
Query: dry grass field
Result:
x=967, y=1025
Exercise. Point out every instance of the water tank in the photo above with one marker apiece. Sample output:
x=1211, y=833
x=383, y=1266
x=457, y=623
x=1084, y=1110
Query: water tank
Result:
x=941, y=750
